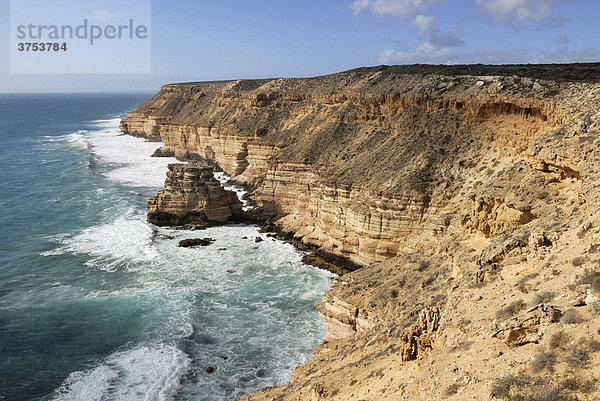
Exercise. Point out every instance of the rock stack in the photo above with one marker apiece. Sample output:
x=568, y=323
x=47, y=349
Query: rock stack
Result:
x=192, y=196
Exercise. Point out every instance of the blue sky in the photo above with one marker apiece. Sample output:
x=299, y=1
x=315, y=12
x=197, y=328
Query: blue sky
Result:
x=228, y=39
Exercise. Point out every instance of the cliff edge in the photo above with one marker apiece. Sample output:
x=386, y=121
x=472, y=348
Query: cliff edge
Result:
x=469, y=193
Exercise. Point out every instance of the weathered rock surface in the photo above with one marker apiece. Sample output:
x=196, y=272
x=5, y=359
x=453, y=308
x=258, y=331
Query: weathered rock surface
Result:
x=192, y=195
x=529, y=327
x=319, y=151
x=191, y=242
x=464, y=190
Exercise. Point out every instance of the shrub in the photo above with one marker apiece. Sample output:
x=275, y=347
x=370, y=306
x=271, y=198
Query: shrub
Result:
x=571, y=316
x=578, y=261
x=595, y=287
x=427, y=281
x=593, y=345
x=587, y=277
x=542, y=297
x=543, y=360
x=423, y=265
x=577, y=356
x=541, y=388
x=522, y=286
x=451, y=389
x=559, y=340
x=511, y=310
x=502, y=386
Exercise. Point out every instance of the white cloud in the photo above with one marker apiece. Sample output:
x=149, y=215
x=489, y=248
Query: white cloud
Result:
x=102, y=16
x=566, y=55
x=401, y=9
x=425, y=25
x=518, y=12
x=427, y=29
x=427, y=53
x=359, y=6
x=486, y=56
x=529, y=56
x=501, y=8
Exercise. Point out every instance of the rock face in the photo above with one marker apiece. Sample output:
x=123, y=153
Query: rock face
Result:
x=360, y=162
x=340, y=318
x=192, y=195
x=463, y=190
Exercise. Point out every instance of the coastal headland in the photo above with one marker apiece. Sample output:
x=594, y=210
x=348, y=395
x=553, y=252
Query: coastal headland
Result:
x=469, y=196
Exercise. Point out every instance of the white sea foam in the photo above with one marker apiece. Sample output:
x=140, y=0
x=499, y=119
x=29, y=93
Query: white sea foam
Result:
x=107, y=123
x=135, y=166
x=76, y=139
x=192, y=292
x=127, y=239
x=231, y=281
x=142, y=373
x=129, y=157
x=224, y=179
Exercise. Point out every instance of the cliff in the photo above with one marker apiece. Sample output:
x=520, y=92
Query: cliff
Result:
x=470, y=194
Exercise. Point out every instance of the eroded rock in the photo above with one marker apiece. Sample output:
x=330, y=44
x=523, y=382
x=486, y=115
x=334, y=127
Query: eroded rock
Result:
x=191, y=242
x=192, y=196
x=528, y=327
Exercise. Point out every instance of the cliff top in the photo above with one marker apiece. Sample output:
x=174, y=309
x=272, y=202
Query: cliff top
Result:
x=575, y=72
x=354, y=125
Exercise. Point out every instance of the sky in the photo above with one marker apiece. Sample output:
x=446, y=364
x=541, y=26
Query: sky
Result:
x=230, y=39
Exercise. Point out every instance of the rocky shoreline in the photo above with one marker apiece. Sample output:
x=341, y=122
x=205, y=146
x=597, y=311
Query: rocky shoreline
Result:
x=194, y=198
x=470, y=196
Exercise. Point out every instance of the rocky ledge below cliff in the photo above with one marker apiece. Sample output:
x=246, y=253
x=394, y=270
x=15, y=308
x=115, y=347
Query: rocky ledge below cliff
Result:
x=192, y=196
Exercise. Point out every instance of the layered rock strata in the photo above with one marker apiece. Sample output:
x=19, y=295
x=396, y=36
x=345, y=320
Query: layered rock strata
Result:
x=470, y=193
x=192, y=195
x=362, y=161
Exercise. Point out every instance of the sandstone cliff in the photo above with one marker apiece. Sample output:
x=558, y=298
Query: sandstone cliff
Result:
x=471, y=195
x=358, y=162
x=192, y=195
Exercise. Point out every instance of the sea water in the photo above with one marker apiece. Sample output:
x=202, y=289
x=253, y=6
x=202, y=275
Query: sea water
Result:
x=97, y=304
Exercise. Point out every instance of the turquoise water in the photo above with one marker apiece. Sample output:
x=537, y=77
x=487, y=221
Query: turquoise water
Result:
x=96, y=304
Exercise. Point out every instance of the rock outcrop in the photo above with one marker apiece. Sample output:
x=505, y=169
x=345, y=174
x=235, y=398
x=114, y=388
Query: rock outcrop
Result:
x=529, y=327
x=192, y=195
x=471, y=195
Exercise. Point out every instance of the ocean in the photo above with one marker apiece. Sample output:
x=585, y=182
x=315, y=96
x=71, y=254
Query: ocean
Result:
x=97, y=304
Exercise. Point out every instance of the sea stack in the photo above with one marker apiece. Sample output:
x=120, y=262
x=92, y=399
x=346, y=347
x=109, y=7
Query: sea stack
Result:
x=192, y=196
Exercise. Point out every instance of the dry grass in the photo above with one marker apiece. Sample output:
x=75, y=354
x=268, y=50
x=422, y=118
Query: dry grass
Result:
x=532, y=388
x=542, y=297
x=544, y=360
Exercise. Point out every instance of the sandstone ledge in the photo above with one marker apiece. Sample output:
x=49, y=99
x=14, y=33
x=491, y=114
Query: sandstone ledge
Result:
x=363, y=161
